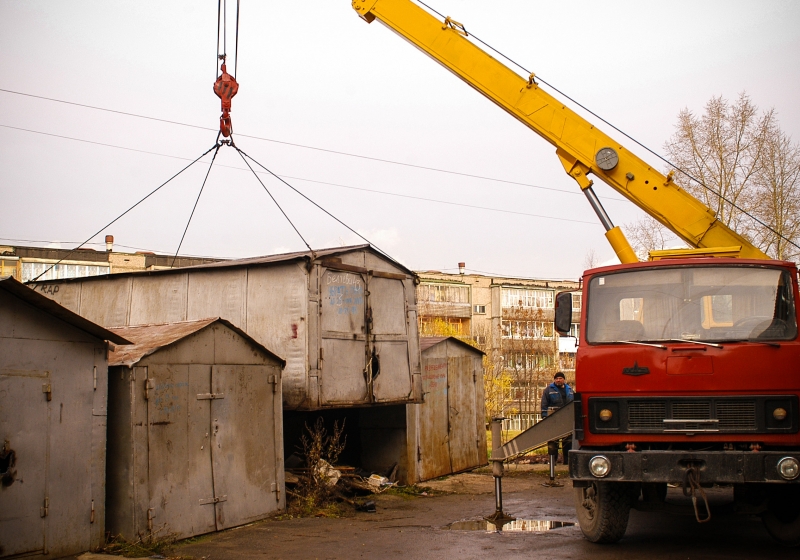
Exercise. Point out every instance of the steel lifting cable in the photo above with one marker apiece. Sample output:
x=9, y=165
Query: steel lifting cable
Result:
x=247, y=156
x=203, y=186
x=109, y=224
x=222, y=29
x=241, y=153
x=628, y=136
x=236, y=48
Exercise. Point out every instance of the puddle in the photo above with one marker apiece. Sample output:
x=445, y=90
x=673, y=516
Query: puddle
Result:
x=517, y=525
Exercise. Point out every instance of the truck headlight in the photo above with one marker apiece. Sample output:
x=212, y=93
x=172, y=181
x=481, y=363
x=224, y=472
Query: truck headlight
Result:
x=788, y=468
x=605, y=415
x=779, y=414
x=600, y=466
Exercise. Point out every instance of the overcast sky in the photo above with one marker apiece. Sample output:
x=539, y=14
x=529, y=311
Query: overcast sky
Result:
x=314, y=77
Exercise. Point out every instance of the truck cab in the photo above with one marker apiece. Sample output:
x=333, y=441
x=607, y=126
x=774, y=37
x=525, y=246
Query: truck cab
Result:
x=687, y=375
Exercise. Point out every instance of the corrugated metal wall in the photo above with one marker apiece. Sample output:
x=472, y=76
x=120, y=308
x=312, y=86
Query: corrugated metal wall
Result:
x=347, y=326
x=53, y=417
x=450, y=425
x=195, y=438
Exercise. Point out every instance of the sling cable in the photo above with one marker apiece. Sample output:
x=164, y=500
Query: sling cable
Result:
x=225, y=87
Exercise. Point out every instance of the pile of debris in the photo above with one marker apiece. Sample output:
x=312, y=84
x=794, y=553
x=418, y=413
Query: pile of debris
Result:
x=342, y=483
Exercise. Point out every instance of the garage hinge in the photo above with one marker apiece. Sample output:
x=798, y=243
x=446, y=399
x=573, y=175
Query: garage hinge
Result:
x=91, y=517
x=474, y=377
x=45, y=508
x=150, y=515
x=148, y=384
x=419, y=453
x=48, y=391
x=94, y=378
x=275, y=488
x=273, y=379
x=210, y=396
x=214, y=500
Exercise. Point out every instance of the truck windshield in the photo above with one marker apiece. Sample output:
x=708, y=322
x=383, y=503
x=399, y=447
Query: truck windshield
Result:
x=710, y=303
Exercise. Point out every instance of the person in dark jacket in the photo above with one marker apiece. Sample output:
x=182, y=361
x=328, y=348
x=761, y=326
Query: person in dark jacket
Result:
x=556, y=395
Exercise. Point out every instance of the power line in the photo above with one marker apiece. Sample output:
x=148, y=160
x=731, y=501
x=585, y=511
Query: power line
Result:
x=245, y=157
x=285, y=215
x=125, y=212
x=306, y=147
x=625, y=134
x=202, y=187
x=451, y=203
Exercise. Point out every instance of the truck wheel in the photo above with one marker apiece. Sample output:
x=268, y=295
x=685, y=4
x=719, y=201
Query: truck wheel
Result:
x=603, y=509
x=782, y=518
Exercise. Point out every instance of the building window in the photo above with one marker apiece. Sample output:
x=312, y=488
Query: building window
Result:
x=480, y=309
x=527, y=329
x=575, y=330
x=529, y=362
x=518, y=297
x=443, y=326
x=31, y=270
x=443, y=293
x=577, y=298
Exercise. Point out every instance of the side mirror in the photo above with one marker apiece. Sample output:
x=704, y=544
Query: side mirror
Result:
x=563, y=320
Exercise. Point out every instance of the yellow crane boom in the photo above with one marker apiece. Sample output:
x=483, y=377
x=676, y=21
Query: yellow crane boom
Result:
x=582, y=149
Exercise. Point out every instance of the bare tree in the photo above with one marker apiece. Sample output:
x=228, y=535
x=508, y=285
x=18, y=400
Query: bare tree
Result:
x=737, y=161
x=590, y=259
x=777, y=193
x=647, y=235
x=530, y=351
x=723, y=149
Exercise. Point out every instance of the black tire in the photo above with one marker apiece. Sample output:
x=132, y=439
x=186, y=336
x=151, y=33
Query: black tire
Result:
x=782, y=518
x=603, y=509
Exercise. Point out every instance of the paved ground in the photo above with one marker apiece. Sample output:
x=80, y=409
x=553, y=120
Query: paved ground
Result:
x=416, y=527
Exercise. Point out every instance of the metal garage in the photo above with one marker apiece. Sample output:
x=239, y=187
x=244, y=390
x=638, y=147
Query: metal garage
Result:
x=345, y=319
x=450, y=424
x=53, y=374
x=195, y=430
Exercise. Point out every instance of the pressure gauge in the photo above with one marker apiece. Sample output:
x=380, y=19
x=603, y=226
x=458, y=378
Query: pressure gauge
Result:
x=607, y=159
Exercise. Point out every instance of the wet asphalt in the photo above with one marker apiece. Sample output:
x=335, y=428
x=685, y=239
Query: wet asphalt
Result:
x=417, y=527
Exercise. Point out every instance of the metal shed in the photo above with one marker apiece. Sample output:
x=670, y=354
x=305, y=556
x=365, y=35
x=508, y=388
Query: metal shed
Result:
x=53, y=374
x=450, y=424
x=345, y=319
x=195, y=441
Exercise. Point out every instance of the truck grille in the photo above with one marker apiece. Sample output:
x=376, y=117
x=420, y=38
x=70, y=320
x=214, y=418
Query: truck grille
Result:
x=732, y=415
x=646, y=415
x=694, y=415
x=736, y=415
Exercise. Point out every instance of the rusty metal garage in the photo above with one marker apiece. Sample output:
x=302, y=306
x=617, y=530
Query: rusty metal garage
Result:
x=450, y=424
x=195, y=430
x=344, y=319
x=53, y=375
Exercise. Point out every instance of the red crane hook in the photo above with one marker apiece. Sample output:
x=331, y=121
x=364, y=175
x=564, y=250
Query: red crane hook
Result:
x=225, y=87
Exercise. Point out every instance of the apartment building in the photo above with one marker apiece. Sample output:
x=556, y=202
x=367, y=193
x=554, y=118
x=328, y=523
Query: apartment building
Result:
x=25, y=263
x=511, y=320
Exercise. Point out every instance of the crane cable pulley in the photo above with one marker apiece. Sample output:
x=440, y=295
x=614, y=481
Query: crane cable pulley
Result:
x=226, y=86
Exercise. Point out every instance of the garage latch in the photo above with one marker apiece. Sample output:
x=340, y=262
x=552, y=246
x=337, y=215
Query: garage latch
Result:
x=210, y=396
